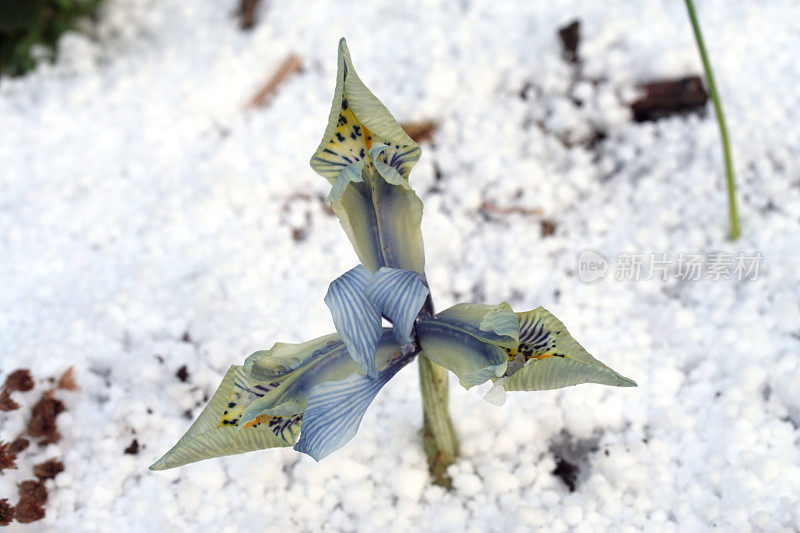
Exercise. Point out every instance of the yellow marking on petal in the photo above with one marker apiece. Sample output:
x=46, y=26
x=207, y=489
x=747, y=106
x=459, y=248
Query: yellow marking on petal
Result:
x=350, y=141
x=546, y=355
x=395, y=356
x=512, y=353
x=367, y=136
x=233, y=410
x=260, y=419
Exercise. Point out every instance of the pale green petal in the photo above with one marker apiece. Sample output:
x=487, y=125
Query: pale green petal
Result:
x=377, y=208
x=471, y=359
x=355, y=109
x=357, y=216
x=370, y=111
x=350, y=174
x=553, y=359
x=206, y=438
x=290, y=393
x=289, y=396
x=497, y=324
x=389, y=168
x=270, y=365
x=383, y=224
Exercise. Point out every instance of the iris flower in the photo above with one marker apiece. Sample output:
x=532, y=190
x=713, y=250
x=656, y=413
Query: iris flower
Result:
x=313, y=395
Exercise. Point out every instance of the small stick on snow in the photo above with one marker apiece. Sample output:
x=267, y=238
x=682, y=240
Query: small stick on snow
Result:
x=492, y=208
x=291, y=65
x=663, y=98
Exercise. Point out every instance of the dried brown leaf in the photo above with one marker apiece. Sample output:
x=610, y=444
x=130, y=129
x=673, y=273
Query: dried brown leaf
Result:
x=18, y=445
x=43, y=419
x=67, y=380
x=6, y=512
x=7, y=458
x=48, y=469
x=6, y=403
x=19, y=380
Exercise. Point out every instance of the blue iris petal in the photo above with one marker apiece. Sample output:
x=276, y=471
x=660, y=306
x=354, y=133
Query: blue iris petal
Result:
x=357, y=319
x=399, y=294
x=335, y=410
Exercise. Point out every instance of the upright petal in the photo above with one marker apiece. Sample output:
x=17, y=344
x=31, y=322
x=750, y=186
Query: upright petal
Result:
x=335, y=408
x=399, y=294
x=213, y=434
x=345, y=140
x=550, y=358
x=377, y=208
x=356, y=213
x=356, y=121
x=398, y=212
x=356, y=317
x=372, y=113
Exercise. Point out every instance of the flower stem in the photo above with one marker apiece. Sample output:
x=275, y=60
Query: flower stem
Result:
x=723, y=129
x=438, y=436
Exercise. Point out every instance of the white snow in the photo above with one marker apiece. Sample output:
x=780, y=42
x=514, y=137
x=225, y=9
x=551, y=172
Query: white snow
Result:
x=140, y=199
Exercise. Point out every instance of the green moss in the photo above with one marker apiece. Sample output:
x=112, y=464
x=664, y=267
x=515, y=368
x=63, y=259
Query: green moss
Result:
x=24, y=24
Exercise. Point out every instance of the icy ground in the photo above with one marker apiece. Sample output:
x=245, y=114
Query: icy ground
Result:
x=148, y=220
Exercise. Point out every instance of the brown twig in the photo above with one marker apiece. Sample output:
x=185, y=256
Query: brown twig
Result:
x=291, y=65
x=663, y=98
x=492, y=208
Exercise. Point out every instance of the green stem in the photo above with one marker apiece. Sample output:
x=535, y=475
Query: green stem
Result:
x=438, y=436
x=723, y=129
